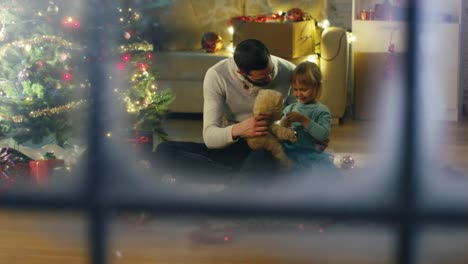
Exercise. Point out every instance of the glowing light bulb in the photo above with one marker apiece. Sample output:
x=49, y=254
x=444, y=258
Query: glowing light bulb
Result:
x=313, y=58
x=230, y=30
x=324, y=23
x=351, y=37
x=230, y=48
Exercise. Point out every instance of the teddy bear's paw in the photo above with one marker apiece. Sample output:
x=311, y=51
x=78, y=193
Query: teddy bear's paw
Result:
x=292, y=136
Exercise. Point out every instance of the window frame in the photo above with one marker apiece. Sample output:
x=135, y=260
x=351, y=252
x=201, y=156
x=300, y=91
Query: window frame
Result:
x=406, y=216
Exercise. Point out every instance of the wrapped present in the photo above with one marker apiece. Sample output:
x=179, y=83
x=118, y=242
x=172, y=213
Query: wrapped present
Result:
x=13, y=167
x=288, y=40
x=41, y=170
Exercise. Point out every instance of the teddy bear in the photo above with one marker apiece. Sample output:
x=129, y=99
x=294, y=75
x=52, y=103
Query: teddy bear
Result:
x=270, y=102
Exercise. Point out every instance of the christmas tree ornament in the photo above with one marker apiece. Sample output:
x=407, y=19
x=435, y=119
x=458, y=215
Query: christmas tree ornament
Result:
x=295, y=14
x=23, y=75
x=127, y=35
x=347, y=162
x=45, y=93
x=211, y=42
x=64, y=56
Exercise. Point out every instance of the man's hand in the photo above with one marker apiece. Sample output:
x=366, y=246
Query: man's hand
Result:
x=252, y=127
x=298, y=117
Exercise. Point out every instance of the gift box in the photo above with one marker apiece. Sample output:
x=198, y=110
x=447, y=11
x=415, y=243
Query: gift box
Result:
x=41, y=170
x=288, y=40
x=14, y=168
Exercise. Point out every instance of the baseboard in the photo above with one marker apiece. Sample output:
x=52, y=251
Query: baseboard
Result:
x=179, y=115
x=335, y=121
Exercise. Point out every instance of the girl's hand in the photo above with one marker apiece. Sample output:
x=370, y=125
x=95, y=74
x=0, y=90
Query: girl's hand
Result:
x=298, y=117
x=285, y=122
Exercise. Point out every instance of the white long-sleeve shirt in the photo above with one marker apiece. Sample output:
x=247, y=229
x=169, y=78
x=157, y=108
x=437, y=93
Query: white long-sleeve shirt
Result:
x=227, y=101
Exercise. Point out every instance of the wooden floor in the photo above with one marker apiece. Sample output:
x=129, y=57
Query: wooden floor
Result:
x=35, y=237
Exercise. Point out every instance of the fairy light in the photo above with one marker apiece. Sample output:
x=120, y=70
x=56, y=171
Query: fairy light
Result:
x=351, y=37
x=313, y=58
x=230, y=29
x=76, y=24
x=126, y=57
x=324, y=23
x=230, y=47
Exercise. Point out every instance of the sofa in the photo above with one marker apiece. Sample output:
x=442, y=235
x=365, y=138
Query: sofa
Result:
x=182, y=63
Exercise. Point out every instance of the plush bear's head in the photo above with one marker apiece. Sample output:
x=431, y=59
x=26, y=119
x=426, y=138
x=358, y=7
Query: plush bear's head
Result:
x=269, y=102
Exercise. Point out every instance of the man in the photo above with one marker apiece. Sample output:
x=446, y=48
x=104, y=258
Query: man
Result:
x=229, y=91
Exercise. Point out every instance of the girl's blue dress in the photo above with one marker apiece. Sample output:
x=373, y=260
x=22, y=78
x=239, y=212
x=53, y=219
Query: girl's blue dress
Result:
x=305, y=151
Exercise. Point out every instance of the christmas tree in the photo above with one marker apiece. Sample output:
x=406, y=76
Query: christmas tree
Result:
x=44, y=86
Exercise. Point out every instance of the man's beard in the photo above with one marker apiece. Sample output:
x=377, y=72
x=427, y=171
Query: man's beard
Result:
x=260, y=84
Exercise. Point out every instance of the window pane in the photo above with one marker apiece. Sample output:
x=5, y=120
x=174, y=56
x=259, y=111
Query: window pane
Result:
x=442, y=131
x=205, y=239
x=370, y=142
x=43, y=237
x=439, y=244
x=44, y=89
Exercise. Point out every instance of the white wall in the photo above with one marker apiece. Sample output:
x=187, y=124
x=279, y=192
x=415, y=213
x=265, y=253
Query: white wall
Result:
x=339, y=13
x=464, y=59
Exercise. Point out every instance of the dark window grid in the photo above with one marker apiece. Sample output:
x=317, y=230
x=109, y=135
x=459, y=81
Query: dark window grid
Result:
x=405, y=215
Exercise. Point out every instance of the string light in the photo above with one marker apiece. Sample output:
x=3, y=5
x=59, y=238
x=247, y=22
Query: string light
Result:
x=36, y=41
x=230, y=47
x=46, y=111
x=230, y=30
x=351, y=37
x=313, y=58
x=324, y=23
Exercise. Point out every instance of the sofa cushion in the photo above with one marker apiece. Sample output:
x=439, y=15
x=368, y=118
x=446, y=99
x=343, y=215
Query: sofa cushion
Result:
x=185, y=65
x=183, y=72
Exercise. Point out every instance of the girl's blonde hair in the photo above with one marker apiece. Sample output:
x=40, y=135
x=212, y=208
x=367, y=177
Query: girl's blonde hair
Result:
x=308, y=74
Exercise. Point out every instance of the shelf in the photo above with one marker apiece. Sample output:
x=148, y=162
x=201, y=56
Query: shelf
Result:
x=436, y=11
x=439, y=48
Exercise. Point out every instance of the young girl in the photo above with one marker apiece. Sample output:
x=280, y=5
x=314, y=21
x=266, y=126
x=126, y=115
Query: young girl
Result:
x=309, y=118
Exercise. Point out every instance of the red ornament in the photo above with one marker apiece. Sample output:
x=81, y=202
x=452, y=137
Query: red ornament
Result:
x=127, y=35
x=261, y=18
x=211, y=42
x=295, y=14
x=67, y=76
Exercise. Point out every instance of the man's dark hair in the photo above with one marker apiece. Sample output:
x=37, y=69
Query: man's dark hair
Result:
x=251, y=54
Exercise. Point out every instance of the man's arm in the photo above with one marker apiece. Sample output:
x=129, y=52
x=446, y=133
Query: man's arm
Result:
x=214, y=135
